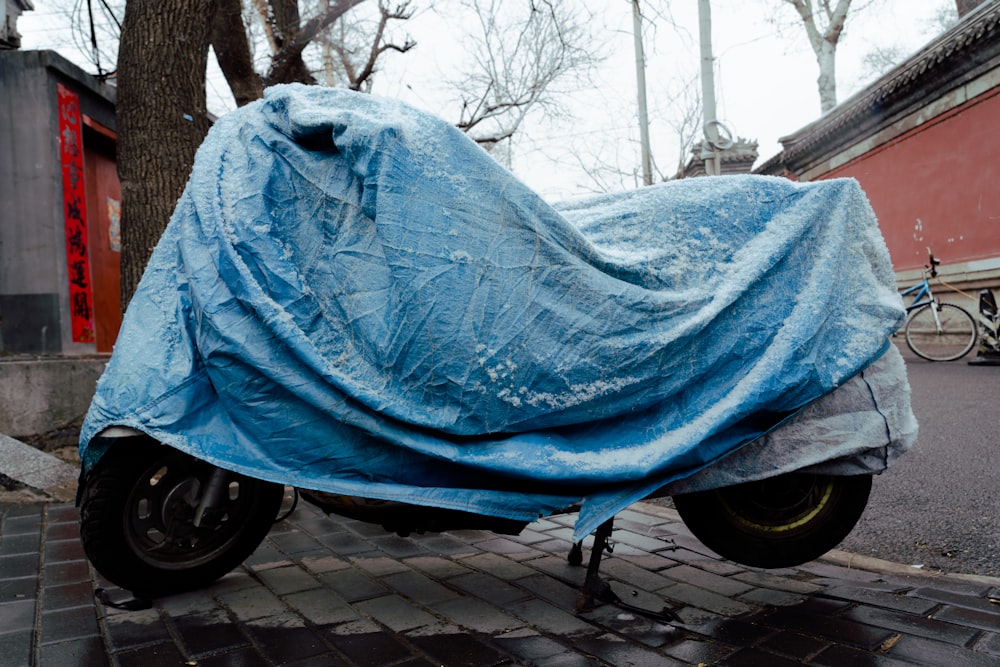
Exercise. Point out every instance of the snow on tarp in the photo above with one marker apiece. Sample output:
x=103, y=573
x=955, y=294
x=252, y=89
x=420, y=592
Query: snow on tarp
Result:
x=352, y=297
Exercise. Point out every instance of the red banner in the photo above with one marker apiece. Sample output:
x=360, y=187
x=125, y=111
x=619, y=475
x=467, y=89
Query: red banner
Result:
x=75, y=210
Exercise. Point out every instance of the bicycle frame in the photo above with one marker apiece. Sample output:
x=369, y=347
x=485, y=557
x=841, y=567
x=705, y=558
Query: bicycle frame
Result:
x=923, y=291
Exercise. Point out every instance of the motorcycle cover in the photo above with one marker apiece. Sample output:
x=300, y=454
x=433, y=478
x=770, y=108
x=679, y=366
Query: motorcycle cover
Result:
x=352, y=297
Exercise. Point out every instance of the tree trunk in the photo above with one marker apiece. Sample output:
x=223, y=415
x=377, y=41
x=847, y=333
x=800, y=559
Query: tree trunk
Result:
x=966, y=6
x=161, y=118
x=826, y=58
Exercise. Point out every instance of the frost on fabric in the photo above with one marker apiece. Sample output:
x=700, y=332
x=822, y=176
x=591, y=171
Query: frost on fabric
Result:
x=352, y=296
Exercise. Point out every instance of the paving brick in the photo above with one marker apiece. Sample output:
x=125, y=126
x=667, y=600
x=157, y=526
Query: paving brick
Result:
x=321, y=606
x=18, y=588
x=62, y=531
x=63, y=550
x=266, y=556
x=418, y=586
x=67, y=572
x=510, y=548
x=285, y=580
x=927, y=652
x=250, y=657
x=345, y=544
x=553, y=620
x=755, y=657
x=20, y=565
x=729, y=631
x=398, y=547
x=323, y=564
x=372, y=649
x=547, y=588
x=252, y=603
x=644, y=543
x=911, y=624
x=634, y=575
x=159, y=655
x=67, y=595
x=530, y=648
x=899, y=602
x=703, y=599
x=529, y=536
x=285, y=638
x=459, y=650
x=969, y=617
x=353, y=585
x=204, y=634
x=396, y=613
x=445, y=544
x=16, y=645
x=794, y=645
x=618, y=652
x=958, y=600
x=65, y=624
x=839, y=630
x=768, y=580
x=772, y=598
x=989, y=643
x=499, y=566
x=27, y=543
x=379, y=566
x=838, y=656
x=477, y=616
x=199, y=602
x=134, y=629
x=639, y=628
x=697, y=652
x=87, y=651
x=713, y=582
x=488, y=588
x=295, y=543
x=837, y=572
x=437, y=567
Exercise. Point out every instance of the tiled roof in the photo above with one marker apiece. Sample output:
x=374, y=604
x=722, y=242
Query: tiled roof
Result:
x=959, y=55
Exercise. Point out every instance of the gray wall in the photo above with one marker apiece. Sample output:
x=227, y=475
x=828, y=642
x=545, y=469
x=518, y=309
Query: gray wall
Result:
x=34, y=309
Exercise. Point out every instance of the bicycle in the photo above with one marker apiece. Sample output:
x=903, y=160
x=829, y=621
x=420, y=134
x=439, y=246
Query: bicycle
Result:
x=937, y=331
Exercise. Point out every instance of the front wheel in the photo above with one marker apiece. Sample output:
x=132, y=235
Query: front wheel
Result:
x=782, y=521
x=952, y=340
x=145, y=527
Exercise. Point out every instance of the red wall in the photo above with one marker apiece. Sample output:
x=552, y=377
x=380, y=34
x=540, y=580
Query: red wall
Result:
x=938, y=185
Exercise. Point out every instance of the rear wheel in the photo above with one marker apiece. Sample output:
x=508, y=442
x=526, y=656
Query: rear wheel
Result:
x=145, y=529
x=778, y=522
x=955, y=338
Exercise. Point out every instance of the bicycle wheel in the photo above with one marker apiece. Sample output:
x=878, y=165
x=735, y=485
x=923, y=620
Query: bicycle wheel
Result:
x=954, y=340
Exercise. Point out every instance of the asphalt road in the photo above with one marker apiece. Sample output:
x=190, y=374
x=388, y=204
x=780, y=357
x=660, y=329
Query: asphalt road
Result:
x=939, y=505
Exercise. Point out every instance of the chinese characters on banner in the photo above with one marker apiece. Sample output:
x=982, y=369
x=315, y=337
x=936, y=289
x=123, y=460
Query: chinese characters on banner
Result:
x=75, y=211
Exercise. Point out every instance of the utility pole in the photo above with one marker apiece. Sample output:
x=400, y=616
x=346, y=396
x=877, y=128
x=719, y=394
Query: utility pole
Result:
x=640, y=76
x=711, y=143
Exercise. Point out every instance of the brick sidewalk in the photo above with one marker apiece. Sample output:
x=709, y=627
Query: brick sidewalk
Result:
x=326, y=591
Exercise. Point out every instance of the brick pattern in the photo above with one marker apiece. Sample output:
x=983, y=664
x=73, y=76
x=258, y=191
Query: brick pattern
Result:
x=327, y=591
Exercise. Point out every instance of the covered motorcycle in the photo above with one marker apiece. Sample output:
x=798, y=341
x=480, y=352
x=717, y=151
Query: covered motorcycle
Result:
x=353, y=299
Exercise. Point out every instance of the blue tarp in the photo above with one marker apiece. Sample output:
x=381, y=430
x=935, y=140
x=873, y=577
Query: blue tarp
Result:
x=353, y=297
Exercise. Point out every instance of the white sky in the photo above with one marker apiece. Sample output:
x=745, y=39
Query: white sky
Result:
x=765, y=83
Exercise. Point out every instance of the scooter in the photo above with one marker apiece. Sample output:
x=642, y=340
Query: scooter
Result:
x=354, y=300
x=157, y=521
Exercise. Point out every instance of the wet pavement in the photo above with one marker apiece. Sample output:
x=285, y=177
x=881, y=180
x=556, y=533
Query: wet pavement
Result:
x=330, y=591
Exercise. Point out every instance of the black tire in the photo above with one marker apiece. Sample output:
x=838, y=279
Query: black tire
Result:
x=778, y=522
x=137, y=519
x=955, y=340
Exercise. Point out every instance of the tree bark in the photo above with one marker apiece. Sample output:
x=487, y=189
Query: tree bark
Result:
x=161, y=118
x=966, y=6
x=232, y=50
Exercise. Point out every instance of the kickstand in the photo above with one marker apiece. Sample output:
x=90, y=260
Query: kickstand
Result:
x=595, y=590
